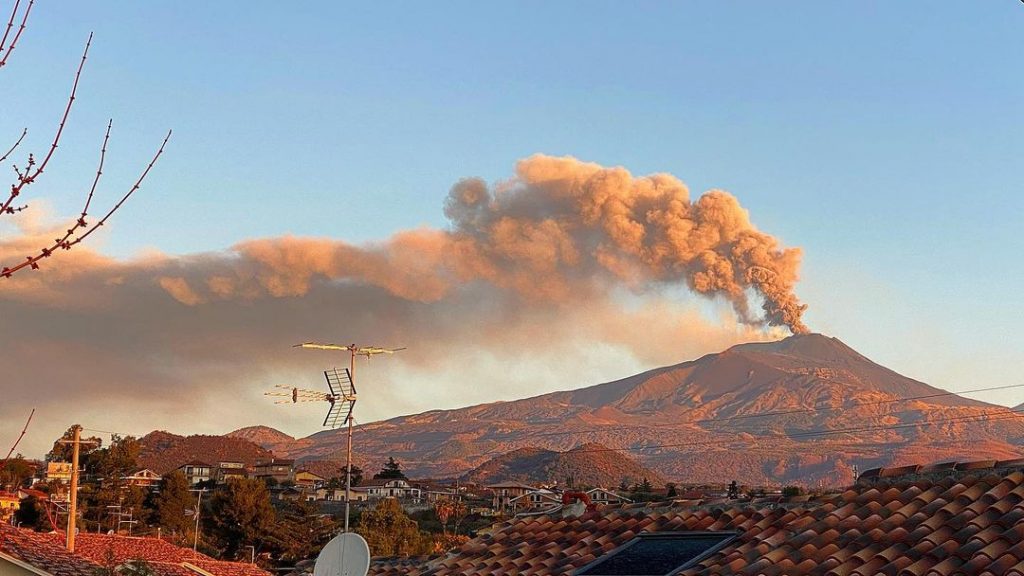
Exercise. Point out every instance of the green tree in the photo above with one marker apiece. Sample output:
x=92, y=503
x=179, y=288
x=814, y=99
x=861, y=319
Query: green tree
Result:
x=671, y=490
x=392, y=470
x=240, y=514
x=390, y=532
x=338, y=482
x=62, y=449
x=30, y=514
x=300, y=531
x=14, y=472
x=172, y=502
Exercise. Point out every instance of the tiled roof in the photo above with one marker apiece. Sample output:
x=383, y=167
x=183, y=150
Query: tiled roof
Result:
x=46, y=551
x=970, y=522
x=43, y=552
x=169, y=559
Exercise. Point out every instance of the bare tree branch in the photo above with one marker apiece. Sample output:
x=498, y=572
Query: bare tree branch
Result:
x=33, y=170
x=4, y=55
x=18, y=441
x=67, y=242
x=80, y=229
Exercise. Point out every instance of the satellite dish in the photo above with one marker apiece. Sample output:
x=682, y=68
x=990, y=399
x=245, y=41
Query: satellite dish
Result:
x=345, y=555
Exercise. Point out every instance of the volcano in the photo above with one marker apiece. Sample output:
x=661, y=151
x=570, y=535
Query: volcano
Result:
x=805, y=409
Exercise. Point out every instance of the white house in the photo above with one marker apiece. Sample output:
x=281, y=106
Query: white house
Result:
x=602, y=497
x=392, y=488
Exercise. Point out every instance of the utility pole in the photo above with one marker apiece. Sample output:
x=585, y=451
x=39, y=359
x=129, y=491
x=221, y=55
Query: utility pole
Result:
x=76, y=440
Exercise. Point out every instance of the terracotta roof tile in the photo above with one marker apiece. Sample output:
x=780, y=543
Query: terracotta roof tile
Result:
x=969, y=521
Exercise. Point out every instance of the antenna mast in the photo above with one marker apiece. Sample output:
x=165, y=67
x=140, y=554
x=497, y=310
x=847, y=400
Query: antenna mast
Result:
x=342, y=397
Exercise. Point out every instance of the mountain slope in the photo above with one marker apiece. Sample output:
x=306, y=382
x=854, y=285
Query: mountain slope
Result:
x=586, y=465
x=756, y=412
x=163, y=451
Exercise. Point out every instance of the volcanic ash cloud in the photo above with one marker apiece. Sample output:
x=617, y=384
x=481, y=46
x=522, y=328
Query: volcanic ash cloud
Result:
x=560, y=230
x=563, y=227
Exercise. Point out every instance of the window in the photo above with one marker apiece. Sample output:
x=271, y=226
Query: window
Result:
x=658, y=554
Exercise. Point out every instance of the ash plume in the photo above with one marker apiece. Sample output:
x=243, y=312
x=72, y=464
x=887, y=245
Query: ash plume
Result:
x=562, y=226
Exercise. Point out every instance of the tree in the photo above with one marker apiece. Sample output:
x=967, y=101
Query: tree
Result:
x=30, y=514
x=392, y=470
x=671, y=490
x=32, y=167
x=446, y=510
x=172, y=502
x=390, y=532
x=240, y=514
x=338, y=482
x=14, y=472
x=300, y=531
x=62, y=448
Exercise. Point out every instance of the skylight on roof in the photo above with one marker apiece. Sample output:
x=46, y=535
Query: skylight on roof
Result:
x=657, y=554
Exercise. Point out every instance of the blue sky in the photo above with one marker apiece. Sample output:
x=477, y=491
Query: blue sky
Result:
x=882, y=138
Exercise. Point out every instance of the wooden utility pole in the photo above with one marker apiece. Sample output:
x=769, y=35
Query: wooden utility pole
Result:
x=76, y=441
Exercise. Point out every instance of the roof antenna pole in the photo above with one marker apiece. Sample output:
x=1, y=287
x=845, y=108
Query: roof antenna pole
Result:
x=342, y=400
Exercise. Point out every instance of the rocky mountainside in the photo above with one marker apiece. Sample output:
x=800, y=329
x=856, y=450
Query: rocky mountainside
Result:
x=803, y=409
x=270, y=439
x=163, y=451
x=587, y=465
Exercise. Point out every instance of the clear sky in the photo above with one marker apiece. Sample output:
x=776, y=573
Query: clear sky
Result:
x=882, y=138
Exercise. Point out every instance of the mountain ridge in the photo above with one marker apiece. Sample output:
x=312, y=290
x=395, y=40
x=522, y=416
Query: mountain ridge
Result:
x=808, y=383
x=755, y=412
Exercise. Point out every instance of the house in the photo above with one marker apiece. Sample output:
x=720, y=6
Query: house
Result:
x=391, y=488
x=338, y=494
x=145, y=478
x=58, y=471
x=506, y=491
x=937, y=520
x=27, y=553
x=196, y=472
x=279, y=469
x=9, y=504
x=603, y=497
x=308, y=479
x=539, y=500
x=230, y=469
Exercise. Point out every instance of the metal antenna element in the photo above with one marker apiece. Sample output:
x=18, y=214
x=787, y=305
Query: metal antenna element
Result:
x=342, y=397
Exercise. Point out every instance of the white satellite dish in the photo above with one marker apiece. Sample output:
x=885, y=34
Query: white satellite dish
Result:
x=345, y=555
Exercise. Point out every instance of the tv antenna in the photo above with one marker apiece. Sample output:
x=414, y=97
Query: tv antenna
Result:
x=342, y=398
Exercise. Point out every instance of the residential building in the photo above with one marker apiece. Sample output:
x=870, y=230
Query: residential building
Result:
x=228, y=470
x=604, y=497
x=308, y=479
x=196, y=472
x=145, y=478
x=338, y=494
x=9, y=503
x=505, y=491
x=542, y=499
x=280, y=469
x=392, y=488
x=937, y=520
x=58, y=471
